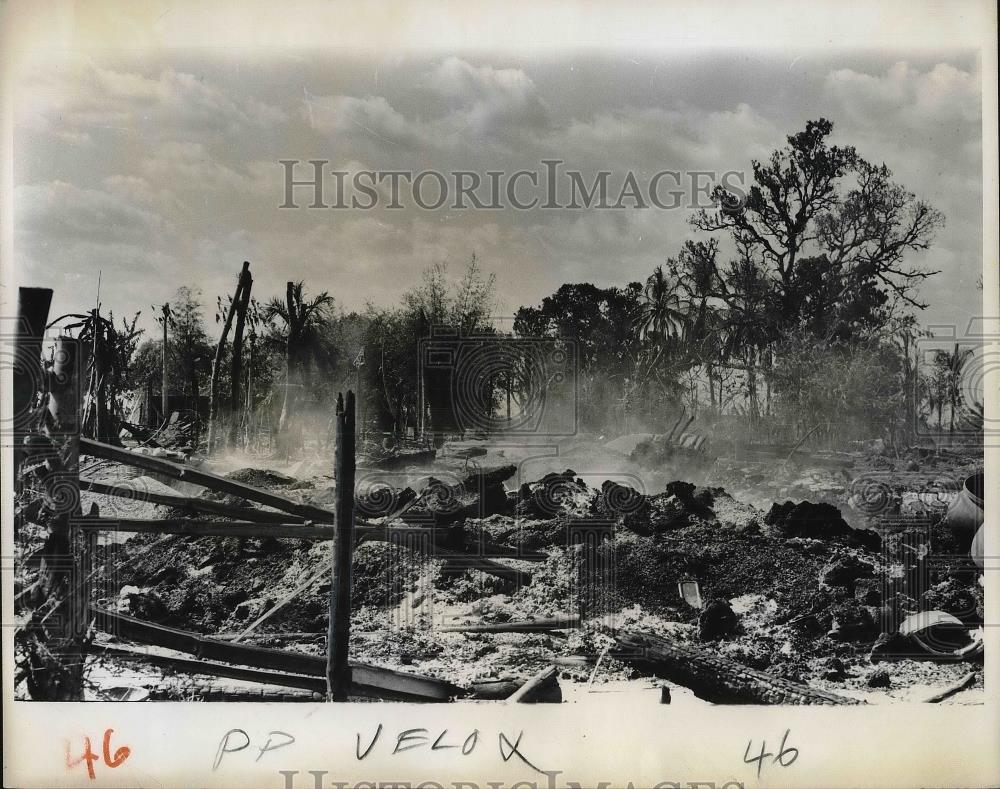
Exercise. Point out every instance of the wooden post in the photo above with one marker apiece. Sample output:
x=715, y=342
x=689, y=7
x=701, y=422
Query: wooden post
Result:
x=32, y=315
x=338, y=671
x=54, y=635
x=164, y=407
x=236, y=376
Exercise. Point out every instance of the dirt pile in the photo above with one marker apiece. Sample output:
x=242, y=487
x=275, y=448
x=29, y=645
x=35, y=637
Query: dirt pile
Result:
x=783, y=588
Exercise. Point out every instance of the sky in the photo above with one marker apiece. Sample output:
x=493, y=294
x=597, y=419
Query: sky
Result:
x=163, y=170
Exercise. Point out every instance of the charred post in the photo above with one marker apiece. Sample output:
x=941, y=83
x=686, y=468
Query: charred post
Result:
x=338, y=671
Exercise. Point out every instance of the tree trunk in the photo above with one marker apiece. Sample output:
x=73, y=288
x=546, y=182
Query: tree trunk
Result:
x=288, y=405
x=236, y=375
x=220, y=349
x=164, y=402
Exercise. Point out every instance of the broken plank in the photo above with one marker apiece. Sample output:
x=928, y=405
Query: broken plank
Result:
x=214, y=669
x=494, y=689
x=206, y=479
x=519, y=626
x=367, y=679
x=542, y=687
x=204, y=528
x=402, y=535
x=713, y=677
x=965, y=682
x=462, y=561
x=188, y=503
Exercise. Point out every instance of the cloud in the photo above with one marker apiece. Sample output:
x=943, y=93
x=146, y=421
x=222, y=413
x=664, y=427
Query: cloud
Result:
x=488, y=101
x=938, y=100
x=72, y=101
x=182, y=174
x=365, y=118
x=63, y=211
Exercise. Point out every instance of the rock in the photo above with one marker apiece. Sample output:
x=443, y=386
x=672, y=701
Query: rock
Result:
x=833, y=669
x=960, y=600
x=844, y=571
x=625, y=504
x=682, y=490
x=852, y=622
x=141, y=603
x=819, y=521
x=666, y=512
x=869, y=592
x=246, y=608
x=261, y=478
x=912, y=466
x=717, y=620
x=879, y=678
x=553, y=495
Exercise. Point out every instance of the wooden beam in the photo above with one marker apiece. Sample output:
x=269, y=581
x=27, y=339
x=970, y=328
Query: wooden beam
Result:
x=188, y=503
x=214, y=669
x=712, y=677
x=520, y=626
x=206, y=528
x=206, y=479
x=366, y=679
x=338, y=670
x=464, y=561
x=543, y=686
x=965, y=682
x=303, y=531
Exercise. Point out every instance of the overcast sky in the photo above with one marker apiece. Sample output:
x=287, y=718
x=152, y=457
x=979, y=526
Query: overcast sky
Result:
x=165, y=172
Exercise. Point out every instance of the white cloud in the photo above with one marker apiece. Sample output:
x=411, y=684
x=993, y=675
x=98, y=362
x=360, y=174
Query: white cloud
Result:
x=368, y=117
x=78, y=99
x=941, y=100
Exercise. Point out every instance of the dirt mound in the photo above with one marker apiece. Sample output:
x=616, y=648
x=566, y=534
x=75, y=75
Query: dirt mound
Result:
x=261, y=478
x=820, y=521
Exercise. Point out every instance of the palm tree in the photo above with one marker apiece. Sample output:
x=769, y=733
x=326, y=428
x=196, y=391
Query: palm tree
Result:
x=302, y=339
x=956, y=362
x=748, y=326
x=662, y=319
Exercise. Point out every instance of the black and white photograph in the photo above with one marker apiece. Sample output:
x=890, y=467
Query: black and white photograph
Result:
x=650, y=378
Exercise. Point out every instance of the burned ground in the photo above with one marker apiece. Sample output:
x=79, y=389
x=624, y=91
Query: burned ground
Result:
x=793, y=590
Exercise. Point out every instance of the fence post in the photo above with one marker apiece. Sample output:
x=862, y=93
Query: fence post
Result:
x=338, y=670
x=55, y=635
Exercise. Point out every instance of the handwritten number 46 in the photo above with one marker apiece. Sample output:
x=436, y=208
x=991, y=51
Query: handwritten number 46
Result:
x=121, y=754
x=785, y=756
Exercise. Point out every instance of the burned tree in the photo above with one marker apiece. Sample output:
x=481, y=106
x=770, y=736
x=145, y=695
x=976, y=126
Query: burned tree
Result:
x=242, y=306
x=236, y=306
x=302, y=322
x=106, y=354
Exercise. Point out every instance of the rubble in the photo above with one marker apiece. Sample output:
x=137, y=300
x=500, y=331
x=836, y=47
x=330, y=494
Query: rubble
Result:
x=793, y=591
x=717, y=620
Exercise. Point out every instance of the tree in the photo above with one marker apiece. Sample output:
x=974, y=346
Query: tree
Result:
x=662, y=320
x=819, y=214
x=301, y=321
x=188, y=353
x=189, y=350
x=602, y=323
x=955, y=363
x=396, y=397
x=237, y=305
